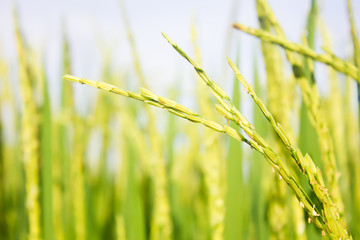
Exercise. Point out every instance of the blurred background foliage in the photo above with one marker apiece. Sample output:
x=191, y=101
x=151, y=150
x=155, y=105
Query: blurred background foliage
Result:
x=93, y=165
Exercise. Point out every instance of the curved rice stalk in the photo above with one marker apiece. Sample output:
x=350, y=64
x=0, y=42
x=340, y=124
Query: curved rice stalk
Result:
x=333, y=226
x=315, y=109
x=256, y=142
x=327, y=58
x=278, y=213
x=314, y=175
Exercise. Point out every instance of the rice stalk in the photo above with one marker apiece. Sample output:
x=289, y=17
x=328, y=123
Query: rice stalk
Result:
x=315, y=178
x=160, y=102
x=314, y=175
x=277, y=212
x=315, y=109
x=255, y=141
x=228, y=110
x=327, y=58
x=334, y=227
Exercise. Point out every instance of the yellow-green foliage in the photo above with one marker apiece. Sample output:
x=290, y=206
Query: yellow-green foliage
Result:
x=123, y=169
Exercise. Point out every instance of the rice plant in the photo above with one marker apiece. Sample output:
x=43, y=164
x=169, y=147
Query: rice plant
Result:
x=126, y=169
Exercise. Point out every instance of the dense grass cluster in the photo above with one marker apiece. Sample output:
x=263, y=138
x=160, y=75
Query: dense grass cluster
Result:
x=290, y=173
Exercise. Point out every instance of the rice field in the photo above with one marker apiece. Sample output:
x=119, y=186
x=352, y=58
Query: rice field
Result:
x=139, y=165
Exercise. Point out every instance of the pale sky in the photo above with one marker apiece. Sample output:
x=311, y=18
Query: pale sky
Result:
x=97, y=26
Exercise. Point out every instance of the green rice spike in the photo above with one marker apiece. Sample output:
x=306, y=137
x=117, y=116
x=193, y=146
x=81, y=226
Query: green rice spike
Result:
x=148, y=94
x=308, y=139
x=313, y=104
x=198, y=69
x=300, y=161
x=214, y=126
x=177, y=111
x=194, y=119
x=298, y=72
x=326, y=58
x=223, y=100
x=272, y=158
x=277, y=209
x=277, y=127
